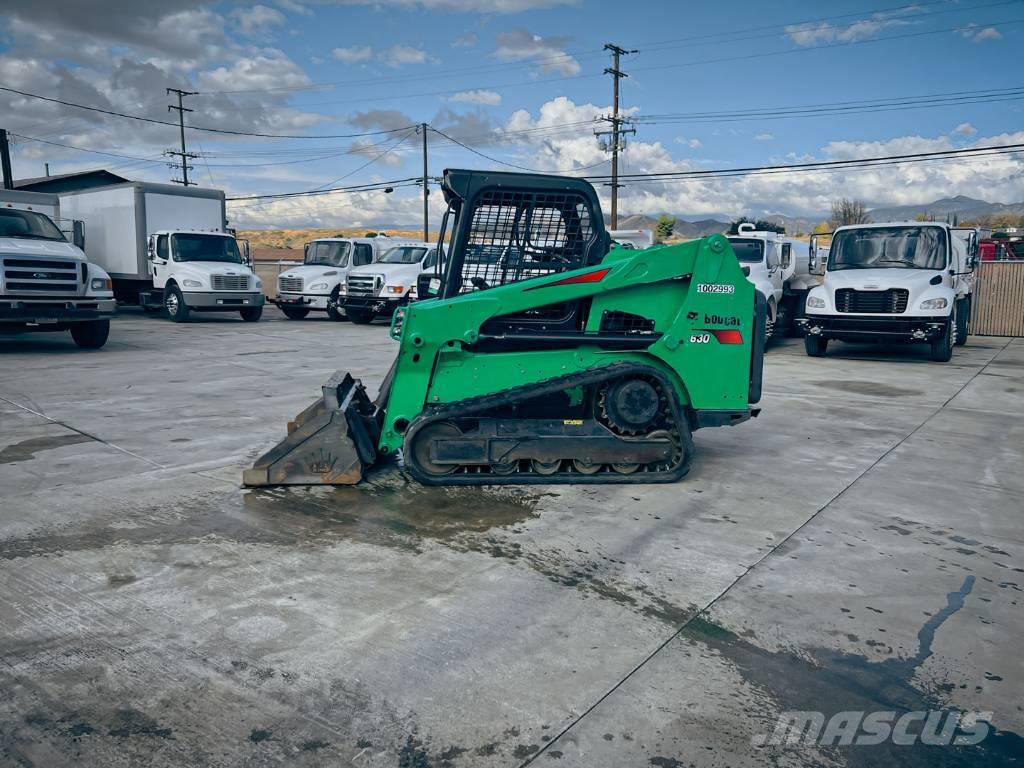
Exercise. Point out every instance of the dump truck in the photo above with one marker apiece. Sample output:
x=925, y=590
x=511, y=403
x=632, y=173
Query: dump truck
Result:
x=542, y=355
x=167, y=248
x=46, y=282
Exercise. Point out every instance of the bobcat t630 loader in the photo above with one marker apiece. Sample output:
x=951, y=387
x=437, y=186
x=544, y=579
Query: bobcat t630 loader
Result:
x=541, y=356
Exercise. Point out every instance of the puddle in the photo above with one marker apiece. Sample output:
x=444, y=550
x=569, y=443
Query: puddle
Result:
x=868, y=388
x=27, y=449
x=830, y=682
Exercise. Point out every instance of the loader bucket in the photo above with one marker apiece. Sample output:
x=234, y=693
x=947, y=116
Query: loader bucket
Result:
x=332, y=442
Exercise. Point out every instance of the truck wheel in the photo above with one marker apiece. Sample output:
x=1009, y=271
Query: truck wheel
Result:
x=174, y=305
x=963, y=316
x=251, y=314
x=91, y=335
x=769, y=327
x=295, y=313
x=359, y=316
x=333, y=313
x=942, y=345
x=815, y=346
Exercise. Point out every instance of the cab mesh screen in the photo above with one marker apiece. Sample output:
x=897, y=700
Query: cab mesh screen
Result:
x=516, y=236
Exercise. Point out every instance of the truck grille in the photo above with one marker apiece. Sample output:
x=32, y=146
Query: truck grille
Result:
x=364, y=285
x=289, y=284
x=230, y=282
x=43, y=275
x=890, y=302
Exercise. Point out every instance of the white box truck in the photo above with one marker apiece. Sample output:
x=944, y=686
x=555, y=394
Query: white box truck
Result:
x=167, y=247
x=46, y=282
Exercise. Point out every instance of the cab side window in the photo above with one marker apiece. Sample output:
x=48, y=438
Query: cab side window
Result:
x=787, y=255
x=771, y=255
x=430, y=261
x=363, y=254
x=162, y=249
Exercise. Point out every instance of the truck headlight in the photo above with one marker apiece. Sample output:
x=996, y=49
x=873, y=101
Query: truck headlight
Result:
x=101, y=284
x=318, y=287
x=395, y=289
x=191, y=283
x=815, y=302
x=342, y=289
x=934, y=304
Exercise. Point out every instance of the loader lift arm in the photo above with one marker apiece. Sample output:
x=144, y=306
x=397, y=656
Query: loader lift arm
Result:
x=547, y=358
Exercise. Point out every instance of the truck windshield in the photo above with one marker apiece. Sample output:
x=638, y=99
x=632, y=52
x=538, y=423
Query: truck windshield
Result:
x=28, y=224
x=328, y=254
x=747, y=251
x=404, y=255
x=888, y=247
x=200, y=247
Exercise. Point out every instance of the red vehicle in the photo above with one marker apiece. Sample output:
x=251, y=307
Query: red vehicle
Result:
x=1001, y=249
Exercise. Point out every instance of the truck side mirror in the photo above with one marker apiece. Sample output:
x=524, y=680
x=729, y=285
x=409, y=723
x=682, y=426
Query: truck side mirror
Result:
x=78, y=234
x=151, y=248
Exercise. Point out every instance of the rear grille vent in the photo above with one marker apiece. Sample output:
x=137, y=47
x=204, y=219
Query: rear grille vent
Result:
x=890, y=302
x=289, y=284
x=624, y=322
x=230, y=282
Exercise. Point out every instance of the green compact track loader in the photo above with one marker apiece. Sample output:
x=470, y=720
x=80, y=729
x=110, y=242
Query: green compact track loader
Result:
x=538, y=355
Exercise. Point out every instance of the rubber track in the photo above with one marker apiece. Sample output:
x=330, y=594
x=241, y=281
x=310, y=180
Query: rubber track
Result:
x=468, y=407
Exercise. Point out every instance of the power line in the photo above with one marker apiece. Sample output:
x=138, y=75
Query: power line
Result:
x=184, y=154
x=370, y=187
x=225, y=131
x=617, y=122
x=513, y=165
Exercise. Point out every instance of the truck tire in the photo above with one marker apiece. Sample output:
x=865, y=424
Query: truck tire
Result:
x=963, y=316
x=815, y=346
x=295, y=313
x=251, y=314
x=174, y=305
x=360, y=316
x=91, y=335
x=333, y=313
x=942, y=345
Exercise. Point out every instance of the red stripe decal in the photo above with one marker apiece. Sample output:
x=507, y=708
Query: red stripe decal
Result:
x=590, y=277
x=727, y=335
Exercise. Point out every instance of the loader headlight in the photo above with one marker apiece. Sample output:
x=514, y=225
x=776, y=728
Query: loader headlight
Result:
x=934, y=304
x=815, y=302
x=318, y=287
x=395, y=289
x=101, y=284
x=192, y=283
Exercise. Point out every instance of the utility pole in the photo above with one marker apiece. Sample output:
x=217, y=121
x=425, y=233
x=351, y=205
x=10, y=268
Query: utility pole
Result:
x=182, y=153
x=426, y=191
x=616, y=132
x=5, y=160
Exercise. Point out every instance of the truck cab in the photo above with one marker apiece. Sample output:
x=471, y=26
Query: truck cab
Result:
x=46, y=282
x=377, y=290
x=195, y=270
x=894, y=282
x=318, y=283
x=778, y=269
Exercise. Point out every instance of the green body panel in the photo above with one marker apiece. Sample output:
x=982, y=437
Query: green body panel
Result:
x=659, y=283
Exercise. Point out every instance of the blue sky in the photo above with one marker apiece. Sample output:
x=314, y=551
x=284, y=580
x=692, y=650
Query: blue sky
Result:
x=521, y=81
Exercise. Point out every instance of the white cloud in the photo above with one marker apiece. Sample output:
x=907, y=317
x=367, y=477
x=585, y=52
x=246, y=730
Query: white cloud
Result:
x=979, y=34
x=764, y=137
x=965, y=129
x=466, y=6
x=547, y=53
x=691, y=143
x=353, y=54
x=823, y=32
x=257, y=20
x=293, y=6
x=268, y=69
x=465, y=41
x=401, y=55
x=490, y=98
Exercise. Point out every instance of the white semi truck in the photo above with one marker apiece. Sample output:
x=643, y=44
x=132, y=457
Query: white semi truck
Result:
x=895, y=282
x=46, y=282
x=317, y=285
x=778, y=267
x=167, y=247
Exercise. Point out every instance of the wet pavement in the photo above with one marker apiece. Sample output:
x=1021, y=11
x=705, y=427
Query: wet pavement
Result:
x=857, y=548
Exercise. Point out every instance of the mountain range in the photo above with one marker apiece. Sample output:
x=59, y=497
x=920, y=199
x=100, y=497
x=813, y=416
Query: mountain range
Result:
x=961, y=206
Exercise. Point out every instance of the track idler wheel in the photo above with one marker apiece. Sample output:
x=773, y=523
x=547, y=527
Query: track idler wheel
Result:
x=425, y=441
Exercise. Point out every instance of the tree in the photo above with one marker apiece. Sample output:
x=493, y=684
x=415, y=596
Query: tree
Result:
x=846, y=211
x=761, y=225
x=822, y=228
x=663, y=229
